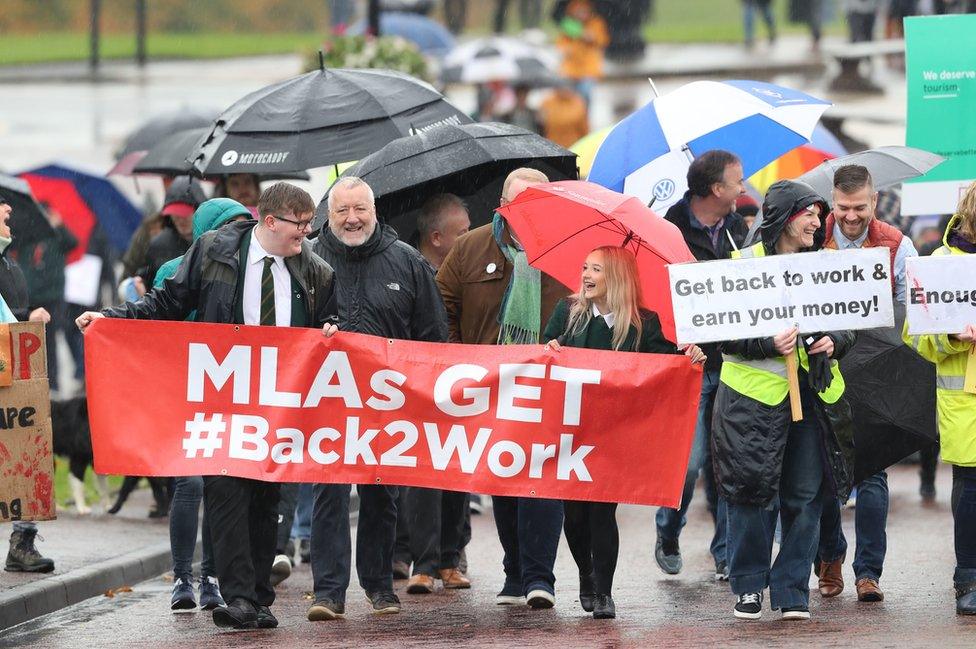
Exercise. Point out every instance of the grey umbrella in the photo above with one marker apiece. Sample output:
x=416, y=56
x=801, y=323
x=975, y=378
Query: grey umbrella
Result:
x=889, y=165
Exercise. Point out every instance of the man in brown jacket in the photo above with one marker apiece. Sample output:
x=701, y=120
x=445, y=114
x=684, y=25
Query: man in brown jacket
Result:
x=493, y=297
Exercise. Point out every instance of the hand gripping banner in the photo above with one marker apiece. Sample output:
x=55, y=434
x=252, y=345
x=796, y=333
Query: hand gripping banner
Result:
x=289, y=405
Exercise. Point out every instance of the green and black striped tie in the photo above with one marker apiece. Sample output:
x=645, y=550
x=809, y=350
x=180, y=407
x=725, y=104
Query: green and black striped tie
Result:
x=267, y=294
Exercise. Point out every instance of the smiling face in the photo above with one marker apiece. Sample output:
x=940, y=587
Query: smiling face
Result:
x=352, y=215
x=733, y=185
x=853, y=212
x=594, y=278
x=5, y=211
x=800, y=231
x=284, y=238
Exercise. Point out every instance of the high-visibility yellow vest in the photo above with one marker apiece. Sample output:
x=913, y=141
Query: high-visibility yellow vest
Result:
x=957, y=408
x=765, y=379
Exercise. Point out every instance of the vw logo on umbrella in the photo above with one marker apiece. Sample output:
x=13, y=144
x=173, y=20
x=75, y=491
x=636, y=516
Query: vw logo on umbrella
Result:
x=663, y=189
x=229, y=158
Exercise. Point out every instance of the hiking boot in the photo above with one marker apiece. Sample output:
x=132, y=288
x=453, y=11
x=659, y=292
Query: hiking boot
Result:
x=183, y=599
x=453, y=578
x=210, y=597
x=23, y=556
x=324, y=610
x=668, y=555
x=748, y=606
x=384, y=602
x=280, y=569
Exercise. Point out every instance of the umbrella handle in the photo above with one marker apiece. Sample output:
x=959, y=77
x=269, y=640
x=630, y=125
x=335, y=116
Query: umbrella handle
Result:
x=793, y=377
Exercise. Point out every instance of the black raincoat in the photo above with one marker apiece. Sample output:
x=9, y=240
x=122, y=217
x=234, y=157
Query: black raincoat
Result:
x=748, y=437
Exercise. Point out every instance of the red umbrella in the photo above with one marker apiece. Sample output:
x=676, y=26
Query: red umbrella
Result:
x=560, y=223
x=63, y=197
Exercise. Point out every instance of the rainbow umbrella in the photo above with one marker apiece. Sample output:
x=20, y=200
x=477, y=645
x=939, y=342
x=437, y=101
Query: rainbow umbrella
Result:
x=792, y=164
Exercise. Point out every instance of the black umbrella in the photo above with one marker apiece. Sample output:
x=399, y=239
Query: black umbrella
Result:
x=158, y=127
x=499, y=58
x=28, y=224
x=891, y=390
x=470, y=161
x=321, y=118
x=169, y=156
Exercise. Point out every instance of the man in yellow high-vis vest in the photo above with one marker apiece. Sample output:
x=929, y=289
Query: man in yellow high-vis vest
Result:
x=764, y=460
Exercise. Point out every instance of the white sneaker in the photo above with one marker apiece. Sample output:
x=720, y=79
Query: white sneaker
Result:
x=280, y=569
x=540, y=599
x=796, y=614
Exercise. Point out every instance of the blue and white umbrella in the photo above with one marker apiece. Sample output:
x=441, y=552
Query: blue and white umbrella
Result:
x=647, y=154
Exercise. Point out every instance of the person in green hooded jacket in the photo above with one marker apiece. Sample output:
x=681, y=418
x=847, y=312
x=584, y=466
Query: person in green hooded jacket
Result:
x=188, y=490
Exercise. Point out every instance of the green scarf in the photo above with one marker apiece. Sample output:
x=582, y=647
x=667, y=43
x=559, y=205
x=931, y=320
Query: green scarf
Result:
x=520, y=315
x=4, y=242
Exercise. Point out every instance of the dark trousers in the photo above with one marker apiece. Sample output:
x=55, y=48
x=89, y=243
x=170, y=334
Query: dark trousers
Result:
x=751, y=527
x=530, y=13
x=184, y=518
x=286, y=514
x=964, y=518
x=591, y=531
x=401, y=547
x=331, y=543
x=455, y=15
x=529, y=530
x=436, y=523
x=870, y=521
x=243, y=524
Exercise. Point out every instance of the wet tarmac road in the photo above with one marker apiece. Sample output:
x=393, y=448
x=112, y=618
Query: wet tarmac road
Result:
x=687, y=610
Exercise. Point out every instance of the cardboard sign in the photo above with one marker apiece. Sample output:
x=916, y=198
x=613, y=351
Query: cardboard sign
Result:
x=288, y=405
x=26, y=454
x=736, y=299
x=941, y=295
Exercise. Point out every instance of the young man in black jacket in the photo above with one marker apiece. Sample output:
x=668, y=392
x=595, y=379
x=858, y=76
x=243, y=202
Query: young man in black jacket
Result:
x=711, y=228
x=283, y=283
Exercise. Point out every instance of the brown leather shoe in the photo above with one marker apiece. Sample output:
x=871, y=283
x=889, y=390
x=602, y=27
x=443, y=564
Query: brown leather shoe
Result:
x=420, y=585
x=868, y=590
x=453, y=578
x=831, y=578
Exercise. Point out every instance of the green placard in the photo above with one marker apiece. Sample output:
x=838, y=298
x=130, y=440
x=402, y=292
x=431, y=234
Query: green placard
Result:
x=941, y=77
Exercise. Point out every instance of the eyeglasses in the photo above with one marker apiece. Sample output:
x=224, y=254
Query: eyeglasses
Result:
x=299, y=225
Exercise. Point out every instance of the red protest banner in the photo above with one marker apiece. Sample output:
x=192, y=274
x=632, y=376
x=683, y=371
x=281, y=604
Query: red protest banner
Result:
x=288, y=405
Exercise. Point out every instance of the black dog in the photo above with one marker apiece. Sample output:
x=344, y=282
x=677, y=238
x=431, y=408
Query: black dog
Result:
x=72, y=439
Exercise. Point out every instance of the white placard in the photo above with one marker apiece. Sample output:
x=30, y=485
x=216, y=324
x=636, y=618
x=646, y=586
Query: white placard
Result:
x=752, y=298
x=941, y=293
x=81, y=280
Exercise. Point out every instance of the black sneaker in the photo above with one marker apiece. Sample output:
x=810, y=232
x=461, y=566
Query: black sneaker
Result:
x=668, y=555
x=266, y=619
x=748, y=606
x=384, y=602
x=721, y=571
x=795, y=613
x=210, y=594
x=324, y=610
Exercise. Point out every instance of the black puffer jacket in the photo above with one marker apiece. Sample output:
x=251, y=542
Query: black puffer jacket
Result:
x=207, y=280
x=748, y=437
x=385, y=287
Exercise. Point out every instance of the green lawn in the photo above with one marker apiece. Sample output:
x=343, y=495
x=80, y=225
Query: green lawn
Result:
x=676, y=21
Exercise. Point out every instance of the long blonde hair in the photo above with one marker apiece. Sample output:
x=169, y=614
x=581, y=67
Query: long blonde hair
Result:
x=624, y=297
x=967, y=214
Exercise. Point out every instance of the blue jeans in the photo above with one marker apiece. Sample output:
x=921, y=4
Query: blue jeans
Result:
x=964, y=517
x=749, y=18
x=669, y=521
x=529, y=530
x=751, y=527
x=870, y=520
x=301, y=527
x=184, y=516
x=331, y=543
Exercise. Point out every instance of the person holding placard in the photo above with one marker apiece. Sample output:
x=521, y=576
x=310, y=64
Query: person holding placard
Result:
x=762, y=457
x=852, y=224
x=609, y=300
x=955, y=361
